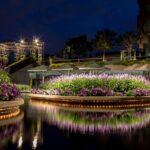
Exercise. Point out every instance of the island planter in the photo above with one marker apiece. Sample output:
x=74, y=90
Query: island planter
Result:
x=9, y=109
x=114, y=102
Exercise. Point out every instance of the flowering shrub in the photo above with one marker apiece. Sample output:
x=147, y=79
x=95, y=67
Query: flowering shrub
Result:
x=8, y=92
x=141, y=92
x=4, y=76
x=95, y=92
x=23, y=87
x=52, y=92
x=2, y=66
x=97, y=85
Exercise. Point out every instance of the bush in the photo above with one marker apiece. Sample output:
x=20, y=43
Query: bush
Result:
x=128, y=62
x=90, y=84
x=23, y=87
x=8, y=92
x=95, y=92
x=141, y=92
x=4, y=77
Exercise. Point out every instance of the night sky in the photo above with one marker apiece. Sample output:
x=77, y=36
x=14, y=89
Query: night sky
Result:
x=55, y=21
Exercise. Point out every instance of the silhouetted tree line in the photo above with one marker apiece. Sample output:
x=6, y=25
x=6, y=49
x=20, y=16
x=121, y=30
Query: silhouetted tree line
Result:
x=104, y=39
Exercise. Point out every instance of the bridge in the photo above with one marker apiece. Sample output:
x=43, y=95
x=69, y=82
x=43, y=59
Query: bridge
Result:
x=21, y=50
x=23, y=55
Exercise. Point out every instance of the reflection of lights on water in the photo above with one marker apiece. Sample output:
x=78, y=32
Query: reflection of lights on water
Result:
x=20, y=142
x=10, y=114
x=10, y=129
x=34, y=143
x=89, y=122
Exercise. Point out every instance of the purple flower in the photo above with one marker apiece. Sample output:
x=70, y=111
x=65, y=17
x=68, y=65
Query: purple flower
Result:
x=8, y=91
x=141, y=92
x=84, y=92
x=95, y=92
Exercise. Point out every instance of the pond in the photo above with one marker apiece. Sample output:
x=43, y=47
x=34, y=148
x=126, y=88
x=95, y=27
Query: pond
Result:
x=44, y=126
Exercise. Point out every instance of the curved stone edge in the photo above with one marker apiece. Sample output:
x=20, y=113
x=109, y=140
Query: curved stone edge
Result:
x=12, y=120
x=13, y=103
x=88, y=98
x=96, y=102
x=79, y=109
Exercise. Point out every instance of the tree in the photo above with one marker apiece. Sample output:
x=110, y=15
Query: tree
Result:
x=67, y=50
x=128, y=40
x=78, y=45
x=104, y=40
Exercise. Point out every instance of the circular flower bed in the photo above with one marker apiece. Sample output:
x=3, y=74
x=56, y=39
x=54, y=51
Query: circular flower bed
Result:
x=96, y=85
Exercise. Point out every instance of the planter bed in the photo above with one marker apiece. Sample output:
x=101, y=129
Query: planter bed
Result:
x=13, y=103
x=12, y=120
x=95, y=101
x=10, y=109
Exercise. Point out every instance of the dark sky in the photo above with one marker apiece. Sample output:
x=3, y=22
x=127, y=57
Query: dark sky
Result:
x=55, y=21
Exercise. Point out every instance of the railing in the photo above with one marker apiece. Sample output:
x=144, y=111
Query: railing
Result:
x=61, y=60
x=108, y=59
x=19, y=64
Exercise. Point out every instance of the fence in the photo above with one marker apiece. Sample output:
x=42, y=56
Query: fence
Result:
x=61, y=60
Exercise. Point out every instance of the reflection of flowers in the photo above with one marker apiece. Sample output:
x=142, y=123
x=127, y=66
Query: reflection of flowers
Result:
x=93, y=121
x=8, y=130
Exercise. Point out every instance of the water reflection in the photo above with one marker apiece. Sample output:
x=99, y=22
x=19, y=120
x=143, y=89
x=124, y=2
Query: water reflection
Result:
x=45, y=125
x=20, y=132
x=10, y=130
x=90, y=122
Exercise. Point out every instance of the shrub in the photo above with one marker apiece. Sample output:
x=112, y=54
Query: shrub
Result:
x=95, y=92
x=89, y=84
x=23, y=87
x=128, y=62
x=8, y=91
x=141, y=92
x=4, y=77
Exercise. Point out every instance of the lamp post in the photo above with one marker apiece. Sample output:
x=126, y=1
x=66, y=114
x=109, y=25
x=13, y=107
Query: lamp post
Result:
x=40, y=50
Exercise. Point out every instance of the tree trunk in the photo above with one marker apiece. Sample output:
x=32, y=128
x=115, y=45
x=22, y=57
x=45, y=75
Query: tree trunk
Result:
x=103, y=55
x=130, y=56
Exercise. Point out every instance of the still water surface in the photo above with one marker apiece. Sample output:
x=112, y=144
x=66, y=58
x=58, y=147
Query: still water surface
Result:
x=44, y=126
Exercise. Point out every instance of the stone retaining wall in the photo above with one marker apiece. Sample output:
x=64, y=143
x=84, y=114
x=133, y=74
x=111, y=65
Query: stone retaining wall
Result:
x=13, y=103
x=95, y=101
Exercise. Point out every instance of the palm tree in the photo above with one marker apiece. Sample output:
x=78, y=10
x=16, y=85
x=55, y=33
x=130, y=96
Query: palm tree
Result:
x=128, y=41
x=104, y=40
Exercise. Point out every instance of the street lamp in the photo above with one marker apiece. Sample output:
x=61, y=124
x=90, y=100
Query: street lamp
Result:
x=36, y=40
x=21, y=41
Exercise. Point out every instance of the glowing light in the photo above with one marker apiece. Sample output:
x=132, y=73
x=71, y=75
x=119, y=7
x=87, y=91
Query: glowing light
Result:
x=9, y=115
x=22, y=41
x=20, y=141
x=34, y=143
x=36, y=40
